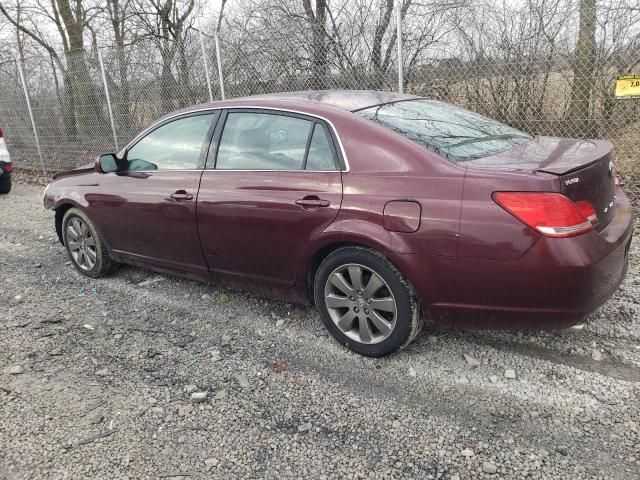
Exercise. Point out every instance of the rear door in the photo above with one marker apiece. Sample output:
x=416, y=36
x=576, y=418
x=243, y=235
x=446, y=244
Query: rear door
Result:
x=272, y=183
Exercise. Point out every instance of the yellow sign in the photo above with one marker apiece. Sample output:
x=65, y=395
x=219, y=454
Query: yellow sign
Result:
x=628, y=86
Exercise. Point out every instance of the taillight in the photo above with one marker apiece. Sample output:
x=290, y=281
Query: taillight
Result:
x=1, y=133
x=7, y=167
x=551, y=214
x=587, y=210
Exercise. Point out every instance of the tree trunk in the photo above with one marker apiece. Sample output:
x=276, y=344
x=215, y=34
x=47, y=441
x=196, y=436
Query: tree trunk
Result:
x=319, y=46
x=68, y=106
x=583, y=70
x=183, y=76
x=317, y=20
x=166, y=78
x=85, y=99
x=379, y=71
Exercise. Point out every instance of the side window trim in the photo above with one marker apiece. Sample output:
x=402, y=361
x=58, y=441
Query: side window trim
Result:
x=205, y=145
x=306, y=150
x=212, y=152
x=202, y=161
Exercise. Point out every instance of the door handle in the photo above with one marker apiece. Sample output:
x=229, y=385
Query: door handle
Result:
x=311, y=201
x=181, y=195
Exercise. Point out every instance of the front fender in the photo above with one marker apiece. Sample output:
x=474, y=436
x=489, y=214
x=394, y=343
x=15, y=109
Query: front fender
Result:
x=54, y=200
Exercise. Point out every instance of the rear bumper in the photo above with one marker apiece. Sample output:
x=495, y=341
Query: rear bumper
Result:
x=555, y=284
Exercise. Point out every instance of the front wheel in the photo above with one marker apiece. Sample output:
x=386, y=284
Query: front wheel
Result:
x=85, y=248
x=365, y=302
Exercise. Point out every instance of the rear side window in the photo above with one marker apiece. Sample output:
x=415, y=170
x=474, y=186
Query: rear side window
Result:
x=450, y=131
x=176, y=145
x=263, y=141
x=320, y=156
x=270, y=141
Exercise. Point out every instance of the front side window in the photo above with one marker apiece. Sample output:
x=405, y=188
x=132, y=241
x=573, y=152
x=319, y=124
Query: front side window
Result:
x=451, y=131
x=268, y=141
x=176, y=145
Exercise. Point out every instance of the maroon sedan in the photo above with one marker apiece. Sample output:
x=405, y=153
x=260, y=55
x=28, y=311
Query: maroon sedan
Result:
x=382, y=209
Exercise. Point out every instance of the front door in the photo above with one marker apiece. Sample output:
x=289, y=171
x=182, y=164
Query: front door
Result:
x=271, y=186
x=147, y=210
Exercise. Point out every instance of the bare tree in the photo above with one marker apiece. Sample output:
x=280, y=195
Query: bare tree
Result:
x=70, y=18
x=583, y=70
x=618, y=44
x=166, y=22
x=120, y=18
x=317, y=18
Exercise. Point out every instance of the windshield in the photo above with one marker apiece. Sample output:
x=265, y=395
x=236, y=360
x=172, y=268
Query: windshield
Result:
x=450, y=131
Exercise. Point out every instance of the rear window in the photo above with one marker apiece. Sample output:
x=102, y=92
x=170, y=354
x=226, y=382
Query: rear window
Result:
x=450, y=131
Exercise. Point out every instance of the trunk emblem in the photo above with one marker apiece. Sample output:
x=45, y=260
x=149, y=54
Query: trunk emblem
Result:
x=572, y=180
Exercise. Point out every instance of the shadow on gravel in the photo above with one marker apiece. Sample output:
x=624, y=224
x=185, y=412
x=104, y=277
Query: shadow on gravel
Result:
x=611, y=369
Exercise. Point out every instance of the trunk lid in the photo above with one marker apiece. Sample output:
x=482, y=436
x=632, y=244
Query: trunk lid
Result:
x=584, y=168
x=595, y=182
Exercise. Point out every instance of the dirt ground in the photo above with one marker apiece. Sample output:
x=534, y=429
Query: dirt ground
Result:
x=106, y=379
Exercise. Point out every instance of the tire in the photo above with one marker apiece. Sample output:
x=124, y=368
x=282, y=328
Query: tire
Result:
x=92, y=258
x=5, y=183
x=381, y=317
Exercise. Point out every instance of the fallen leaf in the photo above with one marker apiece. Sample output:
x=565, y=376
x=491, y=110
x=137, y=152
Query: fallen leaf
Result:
x=278, y=367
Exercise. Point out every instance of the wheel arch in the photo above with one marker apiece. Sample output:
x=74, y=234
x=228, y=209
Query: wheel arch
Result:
x=62, y=208
x=323, y=249
x=60, y=211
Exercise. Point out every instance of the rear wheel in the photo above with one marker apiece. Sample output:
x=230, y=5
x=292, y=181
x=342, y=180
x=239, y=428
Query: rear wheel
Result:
x=365, y=302
x=5, y=183
x=85, y=248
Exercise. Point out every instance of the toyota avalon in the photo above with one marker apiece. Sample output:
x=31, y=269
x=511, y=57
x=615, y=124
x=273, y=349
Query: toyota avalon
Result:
x=382, y=209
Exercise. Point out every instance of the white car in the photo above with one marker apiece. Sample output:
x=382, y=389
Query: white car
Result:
x=5, y=166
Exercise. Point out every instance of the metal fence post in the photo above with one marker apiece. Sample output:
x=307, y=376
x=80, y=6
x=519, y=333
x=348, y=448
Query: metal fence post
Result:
x=33, y=122
x=106, y=92
x=399, y=42
x=220, y=74
x=204, y=60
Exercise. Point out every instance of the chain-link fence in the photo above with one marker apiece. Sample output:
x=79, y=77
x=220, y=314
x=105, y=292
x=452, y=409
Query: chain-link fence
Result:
x=84, y=105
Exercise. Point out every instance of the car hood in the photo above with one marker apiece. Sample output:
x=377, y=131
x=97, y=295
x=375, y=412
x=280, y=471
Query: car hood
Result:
x=546, y=154
x=89, y=167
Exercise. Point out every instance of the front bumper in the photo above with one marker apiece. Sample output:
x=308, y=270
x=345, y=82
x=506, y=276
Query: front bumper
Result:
x=555, y=284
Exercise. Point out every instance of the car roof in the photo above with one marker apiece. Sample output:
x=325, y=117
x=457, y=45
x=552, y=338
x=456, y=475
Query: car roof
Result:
x=346, y=100
x=350, y=100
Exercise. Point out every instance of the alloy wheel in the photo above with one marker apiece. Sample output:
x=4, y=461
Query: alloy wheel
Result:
x=82, y=245
x=360, y=303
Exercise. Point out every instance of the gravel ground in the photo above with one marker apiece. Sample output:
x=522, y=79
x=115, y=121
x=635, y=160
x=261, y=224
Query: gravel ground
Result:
x=148, y=376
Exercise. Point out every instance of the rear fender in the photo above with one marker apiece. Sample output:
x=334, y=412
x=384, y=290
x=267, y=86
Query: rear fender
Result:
x=347, y=232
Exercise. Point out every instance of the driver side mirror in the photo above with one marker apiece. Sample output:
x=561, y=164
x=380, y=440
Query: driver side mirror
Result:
x=107, y=163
